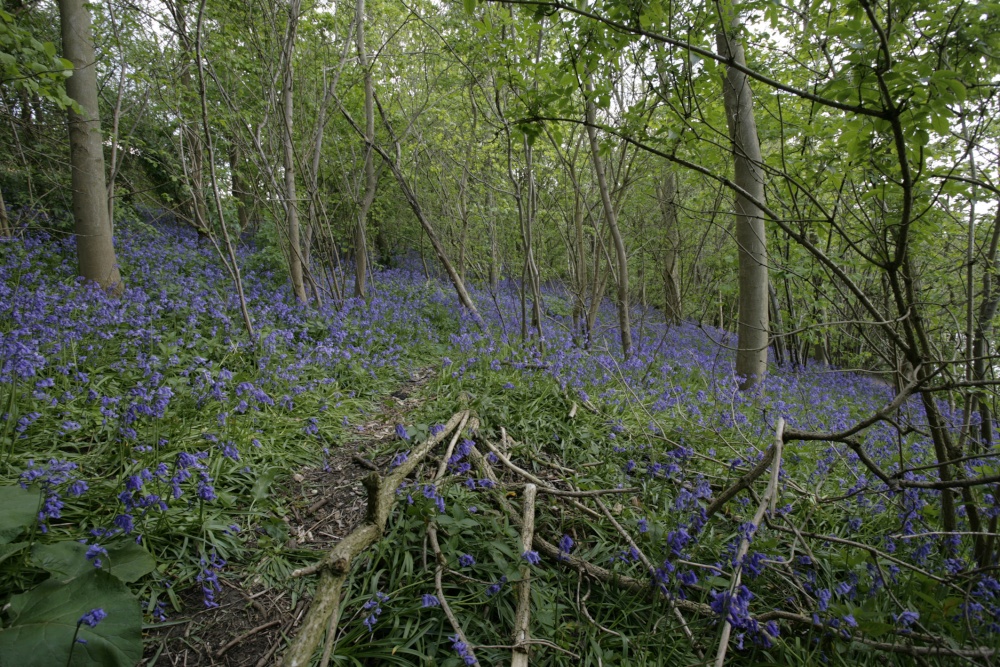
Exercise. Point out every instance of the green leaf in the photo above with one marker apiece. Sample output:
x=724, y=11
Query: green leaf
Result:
x=128, y=561
x=470, y=6
x=20, y=509
x=262, y=486
x=125, y=560
x=8, y=550
x=45, y=620
x=63, y=560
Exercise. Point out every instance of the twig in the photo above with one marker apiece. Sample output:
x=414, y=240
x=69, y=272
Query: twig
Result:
x=582, y=605
x=364, y=463
x=439, y=558
x=249, y=633
x=742, y=483
x=551, y=491
x=521, y=620
x=438, y=571
x=767, y=501
x=531, y=478
x=652, y=573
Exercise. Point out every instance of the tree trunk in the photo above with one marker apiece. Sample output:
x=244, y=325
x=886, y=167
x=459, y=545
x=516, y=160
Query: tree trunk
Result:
x=291, y=201
x=671, y=249
x=4, y=220
x=94, y=245
x=612, y=218
x=360, y=240
x=984, y=328
x=240, y=194
x=752, y=332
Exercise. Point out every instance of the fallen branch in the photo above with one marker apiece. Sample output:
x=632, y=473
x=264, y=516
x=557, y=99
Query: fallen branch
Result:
x=335, y=566
x=768, y=501
x=439, y=587
x=742, y=483
x=542, y=486
x=439, y=558
x=523, y=616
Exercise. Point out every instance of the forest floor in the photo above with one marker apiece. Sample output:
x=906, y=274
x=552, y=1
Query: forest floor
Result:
x=251, y=623
x=186, y=473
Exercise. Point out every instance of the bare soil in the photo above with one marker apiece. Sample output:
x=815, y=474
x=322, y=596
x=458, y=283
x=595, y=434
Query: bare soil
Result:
x=251, y=625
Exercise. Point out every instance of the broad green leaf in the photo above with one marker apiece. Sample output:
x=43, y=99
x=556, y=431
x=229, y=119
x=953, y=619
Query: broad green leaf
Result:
x=125, y=559
x=20, y=508
x=128, y=561
x=45, y=619
x=63, y=560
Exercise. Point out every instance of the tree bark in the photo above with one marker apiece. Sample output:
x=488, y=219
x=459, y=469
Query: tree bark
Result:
x=240, y=194
x=94, y=244
x=360, y=238
x=291, y=200
x=611, y=216
x=752, y=331
x=671, y=249
x=4, y=220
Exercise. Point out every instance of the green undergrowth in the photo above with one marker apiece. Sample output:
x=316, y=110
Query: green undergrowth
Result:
x=593, y=622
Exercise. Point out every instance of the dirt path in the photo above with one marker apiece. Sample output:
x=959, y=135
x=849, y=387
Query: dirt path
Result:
x=248, y=627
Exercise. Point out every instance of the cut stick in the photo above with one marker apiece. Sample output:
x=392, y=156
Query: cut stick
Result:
x=766, y=502
x=523, y=617
x=439, y=560
x=335, y=566
x=445, y=607
x=678, y=614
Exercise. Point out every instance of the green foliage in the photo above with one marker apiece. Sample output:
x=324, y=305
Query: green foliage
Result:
x=45, y=627
x=30, y=65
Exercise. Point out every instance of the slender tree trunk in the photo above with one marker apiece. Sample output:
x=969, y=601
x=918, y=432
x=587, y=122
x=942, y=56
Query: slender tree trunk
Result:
x=990, y=300
x=463, y=212
x=492, y=225
x=94, y=244
x=4, y=220
x=671, y=249
x=232, y=265
x=291, y=199
x=611, y=216
x=240, y=194
x=360, y=240
x=530, y=208
x=752, y=332
x=411, y=198
x=779, y=347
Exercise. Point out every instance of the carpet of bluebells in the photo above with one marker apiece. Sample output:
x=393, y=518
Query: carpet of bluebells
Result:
x=152, y=420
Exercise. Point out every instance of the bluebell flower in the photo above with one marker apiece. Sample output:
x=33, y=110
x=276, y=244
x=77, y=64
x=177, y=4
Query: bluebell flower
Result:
x=428, y=600
x=94, y=552
x=532, y=557
x=493, y=589
x=462, y=649
x=92, y=617
x=466, y=560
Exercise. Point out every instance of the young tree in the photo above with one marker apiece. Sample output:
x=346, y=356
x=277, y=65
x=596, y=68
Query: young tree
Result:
x=291, y=198
x=751, y=355
x=94, y=245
